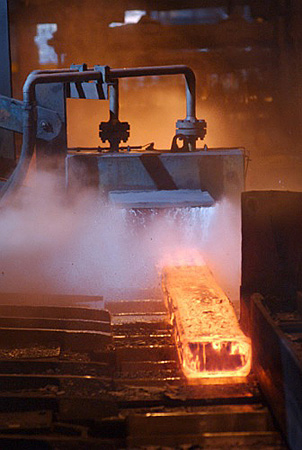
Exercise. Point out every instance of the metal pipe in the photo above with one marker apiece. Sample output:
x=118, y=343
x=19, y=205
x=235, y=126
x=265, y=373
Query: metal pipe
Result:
x=30, y=120
x=114, y=100
x=165, y=70
x=72, y=75
x=145, y=71
x=55, y=77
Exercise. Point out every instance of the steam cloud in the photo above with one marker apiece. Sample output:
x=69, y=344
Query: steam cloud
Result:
x=50, y=244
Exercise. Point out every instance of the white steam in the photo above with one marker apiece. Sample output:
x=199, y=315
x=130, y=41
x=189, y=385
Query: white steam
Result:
x=49, y=244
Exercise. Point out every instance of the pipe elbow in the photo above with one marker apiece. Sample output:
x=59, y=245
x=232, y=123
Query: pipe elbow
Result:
x=29, y=86
x=189, y=75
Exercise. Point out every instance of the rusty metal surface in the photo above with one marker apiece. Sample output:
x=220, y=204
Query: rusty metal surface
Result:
x=53, y=323
x=36, y=302
x=66, y=327
x=131, y=394
x=271, y=301
x=279, y=371
x=199, y=425
x=148, y=367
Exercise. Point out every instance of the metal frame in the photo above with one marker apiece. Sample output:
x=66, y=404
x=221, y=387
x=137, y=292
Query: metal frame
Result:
x=50, y=124
x=7, y=147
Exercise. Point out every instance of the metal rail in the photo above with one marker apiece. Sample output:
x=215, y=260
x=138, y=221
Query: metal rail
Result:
x=279, y=371
x=132, y=395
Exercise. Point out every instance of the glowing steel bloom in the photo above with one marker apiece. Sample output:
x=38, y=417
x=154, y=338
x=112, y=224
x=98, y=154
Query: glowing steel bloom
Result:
x=209, y=340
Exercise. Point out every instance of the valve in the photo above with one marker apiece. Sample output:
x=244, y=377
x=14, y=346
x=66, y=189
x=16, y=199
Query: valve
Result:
x=189, y=131
x=114, y=132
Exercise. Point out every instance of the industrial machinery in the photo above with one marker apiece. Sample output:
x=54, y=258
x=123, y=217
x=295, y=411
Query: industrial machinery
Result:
x=151, y=179
x=109, y=376
x=183, y=175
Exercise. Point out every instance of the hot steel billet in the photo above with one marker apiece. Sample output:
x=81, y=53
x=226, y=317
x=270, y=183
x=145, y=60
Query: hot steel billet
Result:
x=209, y=340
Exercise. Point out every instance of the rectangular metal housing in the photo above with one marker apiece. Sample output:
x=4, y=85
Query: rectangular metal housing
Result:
x=219, y=172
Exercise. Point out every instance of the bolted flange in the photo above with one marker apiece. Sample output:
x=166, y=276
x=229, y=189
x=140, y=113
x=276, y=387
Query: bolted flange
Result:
x=114, y=132
x=196, y=128
x=189, y=130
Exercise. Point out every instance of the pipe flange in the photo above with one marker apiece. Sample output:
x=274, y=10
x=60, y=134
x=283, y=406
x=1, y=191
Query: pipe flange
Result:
x=195, y=128
x=114, y=132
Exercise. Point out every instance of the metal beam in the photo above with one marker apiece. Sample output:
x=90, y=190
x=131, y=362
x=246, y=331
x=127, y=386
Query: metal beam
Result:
x=5, y=66
x=166, y=5
x=7, y=148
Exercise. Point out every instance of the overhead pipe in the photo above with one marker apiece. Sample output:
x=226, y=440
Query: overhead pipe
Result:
x=144, y=71
x=74, y=76
x=165, y=70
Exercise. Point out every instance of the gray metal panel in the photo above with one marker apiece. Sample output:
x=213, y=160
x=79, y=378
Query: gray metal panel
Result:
x=51, y=150
x=122, y=172
x=49, y=124
x=219, y=172
x=52, y=96
x=161, y=199
x=88, y=91
x=11, y=114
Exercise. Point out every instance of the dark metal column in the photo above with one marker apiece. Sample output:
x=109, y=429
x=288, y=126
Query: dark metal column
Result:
x=7, y=148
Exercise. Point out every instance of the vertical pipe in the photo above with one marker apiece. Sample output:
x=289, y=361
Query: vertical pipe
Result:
x=30, y=122
x=191, y=96
x=69, y=76
x=165, y=70
x=114, y=100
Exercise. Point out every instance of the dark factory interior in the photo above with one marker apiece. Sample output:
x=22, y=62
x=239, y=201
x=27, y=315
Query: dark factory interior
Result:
x=151, y=224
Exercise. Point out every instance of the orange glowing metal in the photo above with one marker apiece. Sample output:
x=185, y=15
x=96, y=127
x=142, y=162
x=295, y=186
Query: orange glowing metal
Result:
x=209, y=340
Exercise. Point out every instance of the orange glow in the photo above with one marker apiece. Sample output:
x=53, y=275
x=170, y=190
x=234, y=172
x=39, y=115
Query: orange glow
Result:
x=181, y=257
x=209, y=340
